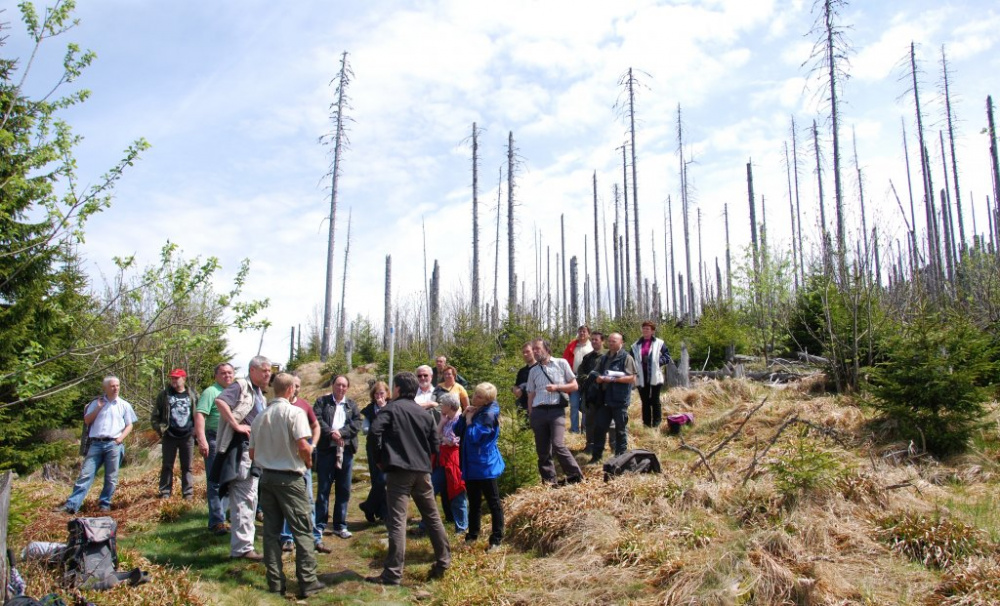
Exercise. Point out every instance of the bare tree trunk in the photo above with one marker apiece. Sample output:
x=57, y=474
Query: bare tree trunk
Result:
x=992, y=131
x=729, y=260
x=548, y=288
x=434, y=330
x=339, y=141
x=574, y=305
x=475, y=222
x=343, y=284
x=798, y=207
x=701, y=273
x=954, y=161
x=832, y=54
x=496, y=253
x=673, y=265
x=562, y=237
x=604, y=240
x=635, y=183
x=627, y=275
x=824, y=234
x=597, y=255
x=947, y=218
x=791, y=213
x=932, y=249
x=387, y=322
x=915, y=253
x=511, y=268
x=685, y=212
x=618, y=276
x=754, y=241
x=861, y=198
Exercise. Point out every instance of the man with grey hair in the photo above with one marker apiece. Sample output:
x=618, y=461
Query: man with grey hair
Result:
x=239, y=404
x=426, y=394
x=109, y=420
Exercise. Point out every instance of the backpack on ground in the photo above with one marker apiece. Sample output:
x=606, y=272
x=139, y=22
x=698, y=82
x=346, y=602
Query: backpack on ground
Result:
x=91, y=552
x=632, y=461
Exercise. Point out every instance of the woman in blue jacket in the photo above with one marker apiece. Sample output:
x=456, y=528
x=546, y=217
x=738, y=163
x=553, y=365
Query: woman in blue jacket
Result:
x=480, y=460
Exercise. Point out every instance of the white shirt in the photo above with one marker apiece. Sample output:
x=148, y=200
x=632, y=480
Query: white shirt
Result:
x=424, y=397
x=339, y=415
x=113, y=418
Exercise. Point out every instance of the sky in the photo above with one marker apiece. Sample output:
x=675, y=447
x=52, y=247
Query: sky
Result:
x=234, y=98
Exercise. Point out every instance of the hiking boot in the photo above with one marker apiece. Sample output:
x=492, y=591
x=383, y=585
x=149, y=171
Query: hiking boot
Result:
x=287, y=546
x=314, y=587
x=436, y=572
x=251, y=555
x=219, y=529
x=381, y=580
x=322, y=548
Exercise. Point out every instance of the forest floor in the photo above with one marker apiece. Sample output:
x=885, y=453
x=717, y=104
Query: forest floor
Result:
x=799, y=500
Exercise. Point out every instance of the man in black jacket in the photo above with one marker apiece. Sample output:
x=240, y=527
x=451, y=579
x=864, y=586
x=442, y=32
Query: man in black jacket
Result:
x=339, y=424
x=405, y=437
x=172, y=419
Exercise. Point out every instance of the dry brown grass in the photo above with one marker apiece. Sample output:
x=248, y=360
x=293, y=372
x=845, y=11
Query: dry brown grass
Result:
x=972, y=582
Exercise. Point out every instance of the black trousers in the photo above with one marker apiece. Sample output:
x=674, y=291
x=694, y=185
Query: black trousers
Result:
x=652, y=410
x=477, y=489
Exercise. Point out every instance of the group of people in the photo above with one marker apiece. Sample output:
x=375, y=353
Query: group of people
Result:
x=260, y=456
x=593, y=383
x=425, y=437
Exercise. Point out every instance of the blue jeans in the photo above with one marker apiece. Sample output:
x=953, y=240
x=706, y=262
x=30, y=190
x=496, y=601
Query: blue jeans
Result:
x=107, y=454
x=458, y=507
x=574, y=412
x=286, y=531
x=328, y=476
x=216, y=505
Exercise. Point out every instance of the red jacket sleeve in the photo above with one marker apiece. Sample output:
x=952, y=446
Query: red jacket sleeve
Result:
x=568, y=352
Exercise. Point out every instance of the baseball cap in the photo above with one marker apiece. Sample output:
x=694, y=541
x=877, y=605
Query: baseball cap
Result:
x=178, y=372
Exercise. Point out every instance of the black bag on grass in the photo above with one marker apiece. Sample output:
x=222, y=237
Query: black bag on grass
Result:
x=91, y=551
x=632, y=461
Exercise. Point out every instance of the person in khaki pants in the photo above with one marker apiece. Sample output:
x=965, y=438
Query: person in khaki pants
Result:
x=280, y=448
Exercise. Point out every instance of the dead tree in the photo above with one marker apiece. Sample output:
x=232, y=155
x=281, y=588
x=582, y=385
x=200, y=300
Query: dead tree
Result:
x=798, y=207
x=992, y=131
x=729, y=259
x=824, y=234
x=340, y=141
x=791, y=212
x=475, y=221
x=618, y=276
x=631, y=82
x=754, y=240
x=511, y=273
x=343, y=285
x=597, y=255
x=949, y=117
x=933, y=250
x=387, y=321
x=562, y=237
x=626, y=258
x=685, y=211
x=496, y=253
x=574, y=293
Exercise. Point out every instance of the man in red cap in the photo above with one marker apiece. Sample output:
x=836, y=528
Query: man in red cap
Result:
x=173, y=420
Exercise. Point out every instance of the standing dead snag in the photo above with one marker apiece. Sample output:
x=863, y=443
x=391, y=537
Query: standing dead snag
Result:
x=475, y=221
x=597, y=255
x=387, y=321
x=339, y=142
x=511, y=273
x=343, y=285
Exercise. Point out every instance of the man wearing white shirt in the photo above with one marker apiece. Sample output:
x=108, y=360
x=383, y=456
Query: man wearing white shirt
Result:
x=425, y=388
x=109, y=420
x=340, y=423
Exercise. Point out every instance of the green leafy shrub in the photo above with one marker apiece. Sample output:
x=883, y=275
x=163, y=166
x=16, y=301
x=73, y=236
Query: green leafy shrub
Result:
x=933, y=381
x=719, y=327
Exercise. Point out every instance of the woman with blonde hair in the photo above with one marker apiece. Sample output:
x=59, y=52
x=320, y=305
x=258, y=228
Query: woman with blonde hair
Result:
x=481, y=462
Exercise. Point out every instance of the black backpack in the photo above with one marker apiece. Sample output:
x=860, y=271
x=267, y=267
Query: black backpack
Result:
x=91, y=552
x=632, y=461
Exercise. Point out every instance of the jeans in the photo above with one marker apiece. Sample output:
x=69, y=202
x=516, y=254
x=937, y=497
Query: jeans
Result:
x=286, y=532
x=174, y=448
x=328, y=476
x=107, y=454
x=216, y=506
x=574, y=412
x=283, y=497
x=457, y=507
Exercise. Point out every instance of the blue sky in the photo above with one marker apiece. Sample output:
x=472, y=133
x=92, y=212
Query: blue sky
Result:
x=233, y=97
